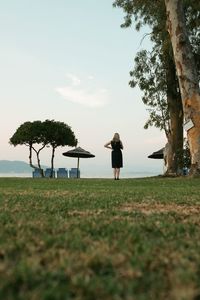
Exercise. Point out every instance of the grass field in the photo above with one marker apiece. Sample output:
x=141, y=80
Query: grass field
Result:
x=99, y=239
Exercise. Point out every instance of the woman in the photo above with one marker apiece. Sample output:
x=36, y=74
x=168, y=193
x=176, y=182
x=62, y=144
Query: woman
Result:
x=117, y=161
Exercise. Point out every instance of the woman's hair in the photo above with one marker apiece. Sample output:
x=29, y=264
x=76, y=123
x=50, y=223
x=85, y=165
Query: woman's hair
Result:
x=116, y=137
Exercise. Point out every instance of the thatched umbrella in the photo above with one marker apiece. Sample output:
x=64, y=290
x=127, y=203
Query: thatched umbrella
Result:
x=79, y=153
x=157, y=154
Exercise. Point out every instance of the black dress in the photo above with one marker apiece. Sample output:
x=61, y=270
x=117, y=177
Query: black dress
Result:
x=116, y=156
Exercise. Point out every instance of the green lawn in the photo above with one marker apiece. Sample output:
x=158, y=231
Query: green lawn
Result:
x=99, y=239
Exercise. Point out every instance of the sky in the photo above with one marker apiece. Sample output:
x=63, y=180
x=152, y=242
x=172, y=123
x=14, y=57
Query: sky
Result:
x=69, y=61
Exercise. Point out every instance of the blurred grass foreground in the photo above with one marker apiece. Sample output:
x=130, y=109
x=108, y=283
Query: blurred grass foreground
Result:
x=99, y=239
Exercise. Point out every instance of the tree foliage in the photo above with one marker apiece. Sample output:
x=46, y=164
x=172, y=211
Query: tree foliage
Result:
x=148, y=73
x=27, y=134
x=153, y=14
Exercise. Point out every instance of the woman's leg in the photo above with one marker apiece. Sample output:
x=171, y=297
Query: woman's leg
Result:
x=117, y=173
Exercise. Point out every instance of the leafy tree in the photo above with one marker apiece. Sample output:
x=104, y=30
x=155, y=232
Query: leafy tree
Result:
x=30, y=134
x=155, y=75
x=43, y=134
x=155, y=72
x=188, y=72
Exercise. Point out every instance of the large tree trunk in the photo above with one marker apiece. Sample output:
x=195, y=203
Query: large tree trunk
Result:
x=175, y=136
x=188, y=79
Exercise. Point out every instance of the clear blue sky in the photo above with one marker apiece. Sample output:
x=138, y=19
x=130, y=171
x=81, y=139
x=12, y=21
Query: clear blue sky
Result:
x=70, y=61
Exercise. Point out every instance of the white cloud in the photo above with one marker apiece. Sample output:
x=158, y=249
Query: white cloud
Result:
x=92, y=99
x=74, y=79
x=87, y=95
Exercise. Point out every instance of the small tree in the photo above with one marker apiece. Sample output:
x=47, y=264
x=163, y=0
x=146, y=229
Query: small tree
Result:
x=29, y=134
x=43, y=134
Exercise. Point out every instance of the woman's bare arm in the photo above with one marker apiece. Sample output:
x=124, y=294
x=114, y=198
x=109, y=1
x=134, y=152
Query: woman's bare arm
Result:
x=107, y=145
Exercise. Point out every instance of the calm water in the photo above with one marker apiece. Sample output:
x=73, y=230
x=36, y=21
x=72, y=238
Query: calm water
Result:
x=91, y=175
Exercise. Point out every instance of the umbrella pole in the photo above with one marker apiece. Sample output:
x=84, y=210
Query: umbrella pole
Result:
x=77, y=167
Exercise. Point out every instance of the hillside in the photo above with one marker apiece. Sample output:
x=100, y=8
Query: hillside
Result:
x=16, y=166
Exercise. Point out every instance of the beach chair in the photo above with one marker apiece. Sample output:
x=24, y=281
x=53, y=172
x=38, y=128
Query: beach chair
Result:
x=36, y=173
x=47, y=173
x=73, y=173
x=62, y=173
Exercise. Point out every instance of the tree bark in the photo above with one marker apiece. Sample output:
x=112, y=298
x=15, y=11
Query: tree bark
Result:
x=187, y=76
x=37, y=152
x=175, y=136
x=52, y=161
x=30, y=158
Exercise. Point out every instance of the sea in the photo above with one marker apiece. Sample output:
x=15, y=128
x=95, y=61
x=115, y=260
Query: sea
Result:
x=93, y=175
